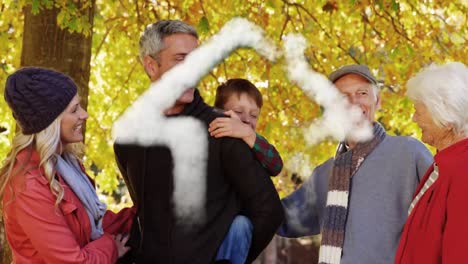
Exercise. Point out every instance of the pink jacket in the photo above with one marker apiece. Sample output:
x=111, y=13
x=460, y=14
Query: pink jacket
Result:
x=40, y=232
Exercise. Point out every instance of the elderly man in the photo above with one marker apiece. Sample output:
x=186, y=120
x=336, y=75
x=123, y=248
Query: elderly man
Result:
x=233, y=176
x=358, y=200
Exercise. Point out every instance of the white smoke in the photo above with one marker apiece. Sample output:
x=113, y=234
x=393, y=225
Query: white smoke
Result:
x=144, y=123
x=299, y=163
x=341, y=119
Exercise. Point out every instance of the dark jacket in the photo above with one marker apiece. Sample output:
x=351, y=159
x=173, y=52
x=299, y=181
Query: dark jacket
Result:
x=233, y=177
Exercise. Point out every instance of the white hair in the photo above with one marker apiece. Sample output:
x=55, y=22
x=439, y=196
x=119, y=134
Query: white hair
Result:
x=443, y=89
x=151, y=41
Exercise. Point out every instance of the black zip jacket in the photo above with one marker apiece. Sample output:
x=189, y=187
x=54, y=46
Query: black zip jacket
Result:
x=235, y=181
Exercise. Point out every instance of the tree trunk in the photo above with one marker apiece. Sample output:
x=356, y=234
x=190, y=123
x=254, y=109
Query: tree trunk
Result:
x=45, y=44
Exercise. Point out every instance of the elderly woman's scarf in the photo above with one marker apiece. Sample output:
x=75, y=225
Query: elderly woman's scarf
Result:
x=70, y=170
x=346, y=163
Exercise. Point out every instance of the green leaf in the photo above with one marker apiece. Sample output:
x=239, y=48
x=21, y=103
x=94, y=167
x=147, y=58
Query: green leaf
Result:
x=61, y=17
x=395, y=6
x=73, y=25
x=353, y=51
x=35, y=7
x=457, y=39
x=48, y=3
x=203, y=26
x=380, y=4
x=410, y=50
x=395, y=52
x=270, y=4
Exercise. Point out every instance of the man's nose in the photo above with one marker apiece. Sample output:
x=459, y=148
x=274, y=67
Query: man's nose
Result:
x=355, y=100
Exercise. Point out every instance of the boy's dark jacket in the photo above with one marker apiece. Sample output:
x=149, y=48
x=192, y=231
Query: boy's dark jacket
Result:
x=234, y=178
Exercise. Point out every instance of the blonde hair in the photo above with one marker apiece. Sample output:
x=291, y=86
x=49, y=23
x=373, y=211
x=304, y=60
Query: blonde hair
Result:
x=47, y=143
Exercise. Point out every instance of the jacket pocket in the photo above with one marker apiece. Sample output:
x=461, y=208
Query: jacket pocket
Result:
x=79, y=226
x=67, y=208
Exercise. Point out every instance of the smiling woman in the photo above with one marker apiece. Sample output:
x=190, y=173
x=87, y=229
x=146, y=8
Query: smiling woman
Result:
x=43, y=184
x=71, y=125
x=436, y=230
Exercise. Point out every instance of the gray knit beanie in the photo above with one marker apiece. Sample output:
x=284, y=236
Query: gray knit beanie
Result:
x=37, y=96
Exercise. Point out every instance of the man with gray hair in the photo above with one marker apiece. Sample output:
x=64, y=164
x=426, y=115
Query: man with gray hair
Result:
x=358, y=200
x=233, y=177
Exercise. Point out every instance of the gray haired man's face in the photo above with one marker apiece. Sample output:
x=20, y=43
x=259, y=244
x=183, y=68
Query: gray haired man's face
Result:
x=360, y=93
x=176, y=48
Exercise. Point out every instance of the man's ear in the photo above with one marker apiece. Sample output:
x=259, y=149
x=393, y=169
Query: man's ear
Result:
x=378, y=102
x=151, y=66
x=376, y=92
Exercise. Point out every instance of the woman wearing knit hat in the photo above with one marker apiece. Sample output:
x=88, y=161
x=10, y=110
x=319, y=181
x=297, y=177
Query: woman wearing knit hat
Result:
x=51, y=210
x=437, y=226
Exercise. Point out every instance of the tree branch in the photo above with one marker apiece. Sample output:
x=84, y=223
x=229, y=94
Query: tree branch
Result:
x=137, y=9
x=225, y=70
x=153, y=10
x=203, y=9
x=391, y=21
x=301, y=7
x=284, y=26
x=108, y=30
x=214, y=77
x=401, y=32
x=437, y=40
x=366, y=19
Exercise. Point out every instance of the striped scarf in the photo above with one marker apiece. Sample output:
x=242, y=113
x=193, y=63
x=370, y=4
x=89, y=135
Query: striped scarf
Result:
x=346, y=163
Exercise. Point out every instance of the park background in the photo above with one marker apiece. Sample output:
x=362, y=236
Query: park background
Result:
x=96, y=42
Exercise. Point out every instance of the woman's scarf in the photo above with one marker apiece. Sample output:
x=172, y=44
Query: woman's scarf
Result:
x=69, y=168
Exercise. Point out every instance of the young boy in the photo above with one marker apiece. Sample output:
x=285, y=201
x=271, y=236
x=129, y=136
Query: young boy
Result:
x=242, y=102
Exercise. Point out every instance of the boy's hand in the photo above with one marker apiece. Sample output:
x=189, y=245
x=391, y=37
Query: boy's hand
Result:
x=232, y=127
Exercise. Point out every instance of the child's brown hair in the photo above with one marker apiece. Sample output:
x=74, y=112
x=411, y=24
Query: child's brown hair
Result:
x=237, y=86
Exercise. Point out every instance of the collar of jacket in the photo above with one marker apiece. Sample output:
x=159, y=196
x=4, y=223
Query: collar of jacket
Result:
x=27, y=159
x=30, y=159
x=195, y=107
x=451, y=153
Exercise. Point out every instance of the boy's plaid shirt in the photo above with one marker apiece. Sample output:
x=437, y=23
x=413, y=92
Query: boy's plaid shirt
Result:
x=268, y=156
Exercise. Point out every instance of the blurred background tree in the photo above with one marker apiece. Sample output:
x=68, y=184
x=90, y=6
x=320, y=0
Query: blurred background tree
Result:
x=96, y=42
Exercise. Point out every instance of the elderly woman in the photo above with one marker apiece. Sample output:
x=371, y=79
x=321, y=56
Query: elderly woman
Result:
x=51, y=210
x=436, y=230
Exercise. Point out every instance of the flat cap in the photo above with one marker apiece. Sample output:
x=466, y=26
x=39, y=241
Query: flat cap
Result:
x=358, y=69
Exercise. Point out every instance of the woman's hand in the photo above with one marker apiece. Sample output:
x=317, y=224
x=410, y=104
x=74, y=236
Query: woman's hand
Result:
x=120, y=241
